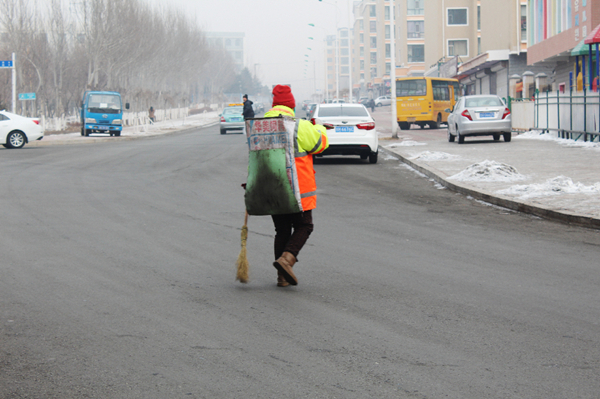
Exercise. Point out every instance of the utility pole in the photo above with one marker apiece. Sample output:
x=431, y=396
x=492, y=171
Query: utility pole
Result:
x=393, y=72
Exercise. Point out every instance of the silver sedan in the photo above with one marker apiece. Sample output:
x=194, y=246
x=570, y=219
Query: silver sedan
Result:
x=479, y=115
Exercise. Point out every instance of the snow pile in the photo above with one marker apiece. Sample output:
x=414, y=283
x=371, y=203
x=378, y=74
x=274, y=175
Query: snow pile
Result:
x=436, y=156
x=556, y=186
x=539, y=135
x=489, y=171
x=406, y=143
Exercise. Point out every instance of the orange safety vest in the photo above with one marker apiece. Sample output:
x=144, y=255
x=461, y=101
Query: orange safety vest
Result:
x=309, y=139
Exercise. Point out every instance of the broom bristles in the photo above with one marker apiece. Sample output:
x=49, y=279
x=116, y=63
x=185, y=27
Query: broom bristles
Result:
x=242, y=261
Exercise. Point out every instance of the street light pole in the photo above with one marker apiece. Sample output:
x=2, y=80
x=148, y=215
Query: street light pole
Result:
x=350, y=51
x=393, y=72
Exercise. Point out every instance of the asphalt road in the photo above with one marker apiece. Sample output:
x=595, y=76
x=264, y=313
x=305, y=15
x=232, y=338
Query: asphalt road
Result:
x=117, y=281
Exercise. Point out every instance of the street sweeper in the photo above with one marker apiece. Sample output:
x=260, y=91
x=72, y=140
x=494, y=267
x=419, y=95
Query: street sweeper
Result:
x=281, y=178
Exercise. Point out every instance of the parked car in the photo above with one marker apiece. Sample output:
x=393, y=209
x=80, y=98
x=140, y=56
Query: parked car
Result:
x=232, y=118
x=351, y=130
x=383, y=100
x=338, y=101
x=258, y=108
x=479, y=115
x=16, y=130
x=363, y=100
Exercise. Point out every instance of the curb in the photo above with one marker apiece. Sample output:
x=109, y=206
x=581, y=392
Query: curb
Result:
x=565, y=217
x=91, y=140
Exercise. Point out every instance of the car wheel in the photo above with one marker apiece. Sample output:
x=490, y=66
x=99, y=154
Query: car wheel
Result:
x=404, y=125
x=82, y=131
x=378, y=104
x=507, y=136
x=223, y=131
x=450, y=136
x=373, y=157
x=87, y=133
x=496, y=136
x=460, y=137
x=118, y=134
x=16, y=139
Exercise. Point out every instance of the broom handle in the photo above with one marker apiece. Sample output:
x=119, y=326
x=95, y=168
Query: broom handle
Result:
x=246, y=218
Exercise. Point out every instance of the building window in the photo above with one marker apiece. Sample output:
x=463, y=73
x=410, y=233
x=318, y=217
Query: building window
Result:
x=362, y=65
x=238, y=42
x=228, y=42
x=362, y=51
x=345, y=61
x=373, y=26
x=373, y=58
x=387, y=31
x=344, y=43
x=478, y=17
x=372, y=11
x=415, y=29
x=523, y=23
x=415, y=7
x=330, y=68
x=373, y=72
x=457, y=16
x=344, y=33
x=416, y=53
x=329, y=59
x=388, y=50
x=330, y=51
x=458, y=47
x=344, y=51
x=362, y=76
x=388, y=68
x=373, y=42
x=387, y=13
x=361, y=38
x=345, y=70
x=361, y=24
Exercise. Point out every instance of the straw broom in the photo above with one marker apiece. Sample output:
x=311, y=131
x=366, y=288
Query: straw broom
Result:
x=242, y=261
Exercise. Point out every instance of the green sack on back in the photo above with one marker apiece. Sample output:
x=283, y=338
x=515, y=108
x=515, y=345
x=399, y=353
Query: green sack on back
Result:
x=272, y=185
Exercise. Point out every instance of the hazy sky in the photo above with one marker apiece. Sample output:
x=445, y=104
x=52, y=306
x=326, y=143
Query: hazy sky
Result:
x=277, y=34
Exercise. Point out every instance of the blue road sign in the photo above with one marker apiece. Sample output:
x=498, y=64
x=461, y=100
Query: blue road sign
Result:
x=6, y=64
x=26, y=96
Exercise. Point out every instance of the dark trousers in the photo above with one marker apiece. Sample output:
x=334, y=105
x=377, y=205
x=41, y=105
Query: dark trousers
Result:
x=291, y=232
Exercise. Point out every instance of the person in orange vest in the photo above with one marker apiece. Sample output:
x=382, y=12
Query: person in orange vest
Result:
x=292, y=230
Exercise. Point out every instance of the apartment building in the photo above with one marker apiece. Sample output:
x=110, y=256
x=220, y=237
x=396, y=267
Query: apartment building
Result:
x=436, y=37
x=232, y=42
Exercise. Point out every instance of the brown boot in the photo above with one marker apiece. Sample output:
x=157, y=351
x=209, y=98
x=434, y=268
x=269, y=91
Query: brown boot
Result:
x=281, y=281
x=284, y=266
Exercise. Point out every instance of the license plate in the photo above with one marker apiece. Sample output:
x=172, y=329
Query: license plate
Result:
x=236, y=119
x=486, y=114
x=103, y=128
x=344, y=129
x=412, y=119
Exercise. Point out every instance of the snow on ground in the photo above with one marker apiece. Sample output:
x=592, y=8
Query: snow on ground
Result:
x=539, y=135
x=556, y=186
x=489, y=171
x=436, y=156
x=149, y=129
x=406, y=143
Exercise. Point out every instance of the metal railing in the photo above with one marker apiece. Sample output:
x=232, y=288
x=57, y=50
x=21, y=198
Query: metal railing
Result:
x=573, y=115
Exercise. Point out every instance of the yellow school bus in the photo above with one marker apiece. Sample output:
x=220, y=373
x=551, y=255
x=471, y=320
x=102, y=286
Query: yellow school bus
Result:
x=423, y=100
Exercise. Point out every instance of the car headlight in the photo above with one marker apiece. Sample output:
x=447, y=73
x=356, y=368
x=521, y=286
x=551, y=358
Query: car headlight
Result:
x=90, y=120
x=117, y=122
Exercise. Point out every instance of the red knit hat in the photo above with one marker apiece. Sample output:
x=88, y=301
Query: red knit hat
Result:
x=282, y=95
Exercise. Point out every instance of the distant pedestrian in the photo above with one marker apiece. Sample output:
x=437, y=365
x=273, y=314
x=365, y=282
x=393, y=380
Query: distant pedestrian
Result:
x=248, y=110
x=151, y=115
x=371, y=104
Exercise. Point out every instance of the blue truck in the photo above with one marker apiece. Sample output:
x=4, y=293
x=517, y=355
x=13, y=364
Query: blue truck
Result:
x=102, y=112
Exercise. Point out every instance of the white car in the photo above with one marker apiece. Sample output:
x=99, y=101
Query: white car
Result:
x=16, y=130
x=479, y=115
x=383, y=100
x=351, y=130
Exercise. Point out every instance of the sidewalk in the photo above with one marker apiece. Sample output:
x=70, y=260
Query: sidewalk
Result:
x=537, y=174
x=128, y=133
